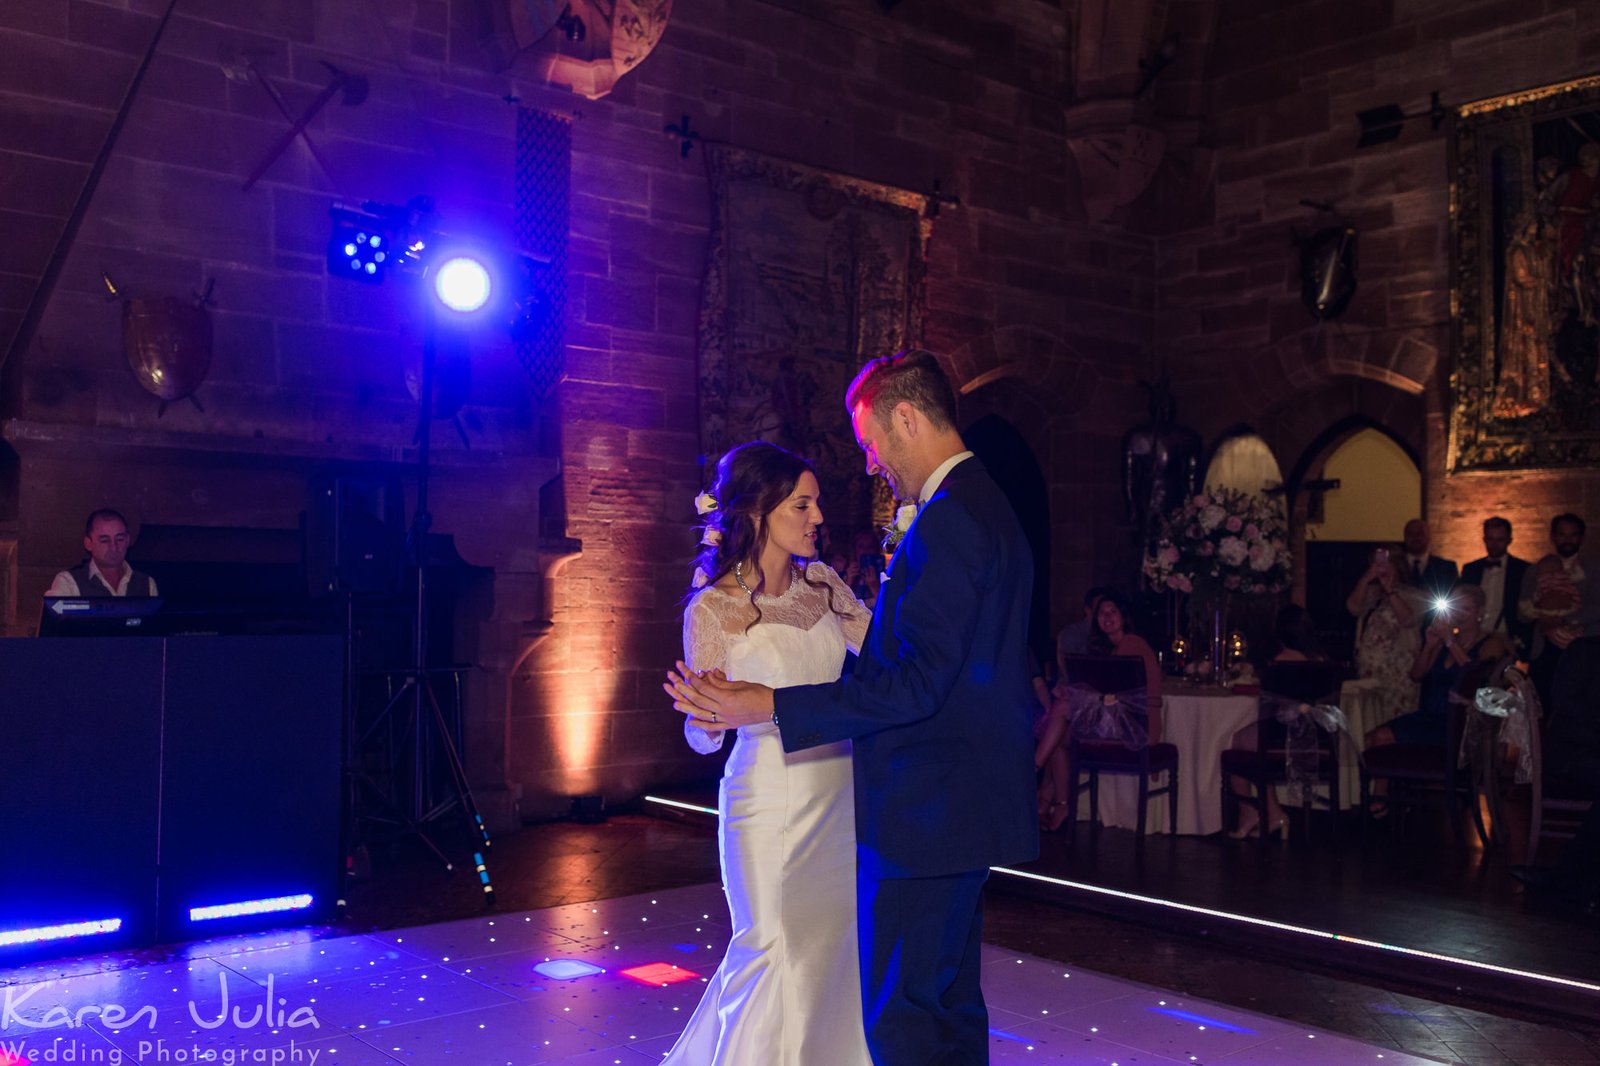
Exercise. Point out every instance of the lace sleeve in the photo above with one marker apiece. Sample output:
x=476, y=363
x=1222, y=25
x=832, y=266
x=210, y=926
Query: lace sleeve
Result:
x=854, y=616
x=705, y=647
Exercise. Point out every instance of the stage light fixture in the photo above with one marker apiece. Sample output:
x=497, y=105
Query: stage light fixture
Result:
x=462, y=284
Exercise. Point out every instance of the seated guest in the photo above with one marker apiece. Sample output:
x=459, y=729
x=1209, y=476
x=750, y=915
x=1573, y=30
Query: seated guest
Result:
x=1386, y=606
x=106, y=572
x=1500, y=574
x=1296, y=638
x=1074, y=639
x=1112, y=635
x=1456, y=656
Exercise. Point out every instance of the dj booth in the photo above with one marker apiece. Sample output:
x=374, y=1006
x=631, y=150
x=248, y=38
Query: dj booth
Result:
x=160, y=788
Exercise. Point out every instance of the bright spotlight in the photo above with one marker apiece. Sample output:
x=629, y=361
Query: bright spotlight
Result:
x=462, y=284
x=1441, y=605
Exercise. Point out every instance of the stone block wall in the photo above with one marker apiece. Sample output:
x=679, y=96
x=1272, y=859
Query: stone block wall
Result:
x=1283, y=82
x=1055, y=315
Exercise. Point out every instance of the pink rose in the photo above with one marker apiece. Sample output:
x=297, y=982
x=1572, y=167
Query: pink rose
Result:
x=1252, y=531
x=1258, y=589
x=1207, y=548
x=1231, y=581
x=1167, y=556
x=1201, y=500
x=1234, y=524
x=1181, y=583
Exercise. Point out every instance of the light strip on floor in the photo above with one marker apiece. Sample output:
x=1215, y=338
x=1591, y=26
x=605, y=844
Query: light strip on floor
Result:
x=1323, y=934
x=681, y=805
x=250, y=906
x=39, y=934
x=1247, y=919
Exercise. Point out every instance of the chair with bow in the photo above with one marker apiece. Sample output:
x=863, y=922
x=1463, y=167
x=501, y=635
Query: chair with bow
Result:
x=1110, y=735
x=1299, y=735
x=1425, y=775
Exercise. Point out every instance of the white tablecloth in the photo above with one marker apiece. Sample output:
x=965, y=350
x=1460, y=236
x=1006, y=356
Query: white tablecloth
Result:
x=1201, y=722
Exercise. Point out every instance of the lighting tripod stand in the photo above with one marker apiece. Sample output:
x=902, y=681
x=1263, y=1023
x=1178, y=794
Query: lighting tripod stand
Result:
x=426, y=720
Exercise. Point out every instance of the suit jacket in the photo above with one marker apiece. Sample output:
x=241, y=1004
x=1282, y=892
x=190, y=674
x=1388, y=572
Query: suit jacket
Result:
x=1516, y=570
x=938, y=705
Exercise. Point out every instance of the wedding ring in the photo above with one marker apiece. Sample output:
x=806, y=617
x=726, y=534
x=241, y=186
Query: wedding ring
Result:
x=713, y=717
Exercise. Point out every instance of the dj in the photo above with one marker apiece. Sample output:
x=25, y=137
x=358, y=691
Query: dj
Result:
x=106, y=572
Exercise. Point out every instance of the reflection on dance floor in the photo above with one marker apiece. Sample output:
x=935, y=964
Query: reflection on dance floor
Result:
x=591, y=984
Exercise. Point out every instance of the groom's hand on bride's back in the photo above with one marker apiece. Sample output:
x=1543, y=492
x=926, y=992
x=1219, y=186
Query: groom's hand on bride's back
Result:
x=714, y=702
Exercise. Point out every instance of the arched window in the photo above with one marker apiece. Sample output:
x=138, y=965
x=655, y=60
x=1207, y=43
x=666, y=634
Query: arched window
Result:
x=1244, y=463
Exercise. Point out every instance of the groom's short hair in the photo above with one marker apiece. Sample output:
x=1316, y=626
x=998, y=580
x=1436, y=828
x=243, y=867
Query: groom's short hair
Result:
x=912, y=376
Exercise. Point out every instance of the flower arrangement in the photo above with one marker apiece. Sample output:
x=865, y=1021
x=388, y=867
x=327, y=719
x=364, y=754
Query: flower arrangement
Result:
x=1221, y=542
x=904, y=515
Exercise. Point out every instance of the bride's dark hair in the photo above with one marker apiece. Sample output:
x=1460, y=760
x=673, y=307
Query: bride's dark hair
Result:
x=752, y=480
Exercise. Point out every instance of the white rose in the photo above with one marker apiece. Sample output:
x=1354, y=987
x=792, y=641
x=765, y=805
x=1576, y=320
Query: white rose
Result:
x=1211, y=517
x=904, y=517
x=1232, y=550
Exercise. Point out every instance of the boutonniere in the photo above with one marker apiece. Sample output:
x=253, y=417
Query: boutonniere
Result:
x=895, y=531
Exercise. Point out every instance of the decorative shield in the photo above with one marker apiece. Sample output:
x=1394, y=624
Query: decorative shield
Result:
x=168, y=342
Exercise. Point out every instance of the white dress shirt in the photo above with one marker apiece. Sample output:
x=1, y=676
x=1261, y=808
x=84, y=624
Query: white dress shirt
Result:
x=936, y=478
x=67, y=585
x=1494, y=595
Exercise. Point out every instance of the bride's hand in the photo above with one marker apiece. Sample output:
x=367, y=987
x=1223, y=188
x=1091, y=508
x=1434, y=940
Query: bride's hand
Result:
x=714, y=702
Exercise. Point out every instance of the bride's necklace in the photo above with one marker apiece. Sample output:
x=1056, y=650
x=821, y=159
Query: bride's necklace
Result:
x=738, y=575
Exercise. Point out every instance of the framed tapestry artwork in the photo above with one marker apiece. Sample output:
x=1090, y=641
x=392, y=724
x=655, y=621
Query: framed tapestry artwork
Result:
x=1525, y=213
x=811, y=274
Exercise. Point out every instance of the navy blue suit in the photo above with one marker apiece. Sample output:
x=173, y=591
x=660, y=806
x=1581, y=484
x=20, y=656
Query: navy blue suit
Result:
x=938, y=709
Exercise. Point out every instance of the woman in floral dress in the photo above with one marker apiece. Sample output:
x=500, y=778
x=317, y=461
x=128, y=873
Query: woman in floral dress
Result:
x=1387, y=608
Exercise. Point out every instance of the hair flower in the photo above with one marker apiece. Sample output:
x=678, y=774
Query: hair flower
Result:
x=712, y=537
x=705, y=503
x=700, y=579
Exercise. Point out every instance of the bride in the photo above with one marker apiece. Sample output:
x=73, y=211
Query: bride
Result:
x=788, y=992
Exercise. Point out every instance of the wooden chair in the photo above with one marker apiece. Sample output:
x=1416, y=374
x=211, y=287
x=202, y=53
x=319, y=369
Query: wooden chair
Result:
x=1266, y=766
x=1574, y=703
x=1423, y=775
x=1092, y=756
x=1553, y=817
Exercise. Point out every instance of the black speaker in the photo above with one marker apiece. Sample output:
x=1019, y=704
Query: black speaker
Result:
x=355, y=535
x=250, y=778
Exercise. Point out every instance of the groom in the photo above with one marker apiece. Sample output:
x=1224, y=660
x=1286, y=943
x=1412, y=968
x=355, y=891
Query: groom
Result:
x=938, y=709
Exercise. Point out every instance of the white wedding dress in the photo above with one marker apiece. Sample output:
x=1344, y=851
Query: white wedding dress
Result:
x=788, y=992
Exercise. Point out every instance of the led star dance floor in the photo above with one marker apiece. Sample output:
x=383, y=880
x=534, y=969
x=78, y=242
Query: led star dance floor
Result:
x=596, y=984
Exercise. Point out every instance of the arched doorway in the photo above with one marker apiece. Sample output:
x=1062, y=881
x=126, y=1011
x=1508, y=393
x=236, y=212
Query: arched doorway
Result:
x=1356, y=487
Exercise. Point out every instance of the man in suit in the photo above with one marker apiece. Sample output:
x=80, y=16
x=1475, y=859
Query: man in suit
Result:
x=1430, y=573
x=1500, y=575
x=938, y=709
x=1561, y=598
